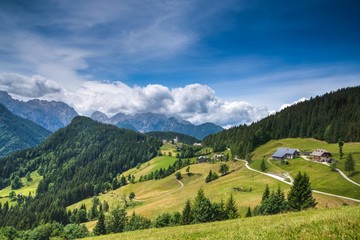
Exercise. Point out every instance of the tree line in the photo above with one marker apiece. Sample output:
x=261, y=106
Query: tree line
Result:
x=330, y=117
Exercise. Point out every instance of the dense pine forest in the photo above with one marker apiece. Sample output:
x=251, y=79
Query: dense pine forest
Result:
x=17, y=133
x=170, y=136
x=332, y=117
x=77, y=162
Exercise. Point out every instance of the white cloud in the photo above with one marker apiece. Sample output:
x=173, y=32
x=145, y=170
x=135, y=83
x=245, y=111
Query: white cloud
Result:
x=195, y=102
x=28, y=87
x=296, y=102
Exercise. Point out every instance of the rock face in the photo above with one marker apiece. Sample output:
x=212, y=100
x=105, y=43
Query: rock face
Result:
x=149, y=122
x=17, y=133
x=50, y=115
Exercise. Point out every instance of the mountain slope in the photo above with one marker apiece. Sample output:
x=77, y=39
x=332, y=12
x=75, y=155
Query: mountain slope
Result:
x=78, y=161
x=330, y=117
x=50, y=115
x=150, y=122
x=17, y=133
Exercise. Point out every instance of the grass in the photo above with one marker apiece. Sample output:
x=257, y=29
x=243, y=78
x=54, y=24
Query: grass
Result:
x=28, y=188
x=163, y=195
x=310, y=144
x=156, y=163
x=338, y=223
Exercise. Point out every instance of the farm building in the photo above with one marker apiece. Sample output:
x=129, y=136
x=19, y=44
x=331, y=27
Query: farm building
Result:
x=202, y=159
x=285, y=153
x=321, y=155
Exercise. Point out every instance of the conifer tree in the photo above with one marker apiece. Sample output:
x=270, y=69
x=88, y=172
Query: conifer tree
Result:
x=231, y=208
x=349, y=164
x=248, y=213
x=187, y=214
x=263, y=165
x=266, y=193
x=202, y=210
x=100, y=228
x=300, y=195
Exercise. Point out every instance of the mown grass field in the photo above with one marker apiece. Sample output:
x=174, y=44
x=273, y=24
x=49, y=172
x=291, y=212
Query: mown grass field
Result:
x=337, y=223
x=310, y=144
x=28, y=188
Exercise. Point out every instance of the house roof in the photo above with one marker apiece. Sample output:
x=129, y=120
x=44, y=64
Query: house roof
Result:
x=281, y=152
x=319, y=152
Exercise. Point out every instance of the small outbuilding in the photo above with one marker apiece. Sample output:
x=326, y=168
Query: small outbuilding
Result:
x=285, y=153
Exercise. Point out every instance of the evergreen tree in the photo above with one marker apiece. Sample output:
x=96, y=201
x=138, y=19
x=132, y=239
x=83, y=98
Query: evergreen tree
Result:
x=187, y=217
x=300, y=195
x=116, y=221
x=263, y=165
x=131, y=196
x=266, y=193
x=201, y=208
x=231, y=208
x=349, y=164
x=341, y=144
x=100, y=227
x=248, y=213
x=115, y=184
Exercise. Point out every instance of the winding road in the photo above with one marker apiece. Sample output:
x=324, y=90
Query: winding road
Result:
x=338, y=170
x=290, y=183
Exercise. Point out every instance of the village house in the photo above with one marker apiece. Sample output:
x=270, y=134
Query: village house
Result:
x=202, y=159
x=321, y=155
x=220, y=157
x=285, y=153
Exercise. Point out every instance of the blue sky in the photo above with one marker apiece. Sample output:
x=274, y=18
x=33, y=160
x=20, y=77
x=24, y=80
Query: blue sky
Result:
x=245, y=58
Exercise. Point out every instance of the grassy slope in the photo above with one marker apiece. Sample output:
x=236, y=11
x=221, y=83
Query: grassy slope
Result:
x=339, y=223
x=170, y=200
x=309, y=144
x=25, y=190
x=320, y=175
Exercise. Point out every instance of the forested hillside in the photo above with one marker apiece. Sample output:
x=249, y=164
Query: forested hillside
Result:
x=77, y=162
x=330, y=117
x=17, y=133
x=169, y=136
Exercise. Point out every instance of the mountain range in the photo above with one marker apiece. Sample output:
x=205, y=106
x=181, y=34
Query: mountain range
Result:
x=51, y=115
x=17, y=133
x=149, y=122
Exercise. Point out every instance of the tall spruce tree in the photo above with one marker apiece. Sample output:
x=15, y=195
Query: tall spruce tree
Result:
x=349, y=164
x=266, y=193
x=231, y=208
x=186, y=217
x=100, y=228
x=300, y=195
x=202, y=210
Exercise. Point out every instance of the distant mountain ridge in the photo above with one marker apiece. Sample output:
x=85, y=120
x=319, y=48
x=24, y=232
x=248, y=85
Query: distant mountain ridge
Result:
x=150, y=122
x=17, y=133
x=51, y=115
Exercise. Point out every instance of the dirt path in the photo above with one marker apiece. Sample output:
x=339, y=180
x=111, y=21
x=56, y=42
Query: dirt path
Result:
x=282, y=180
x=161, y=195
x=338, y=170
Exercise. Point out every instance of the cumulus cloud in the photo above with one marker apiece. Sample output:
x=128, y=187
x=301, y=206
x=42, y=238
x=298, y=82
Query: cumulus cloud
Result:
x=196, y=103
x=28, y=87
x=288, y=105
